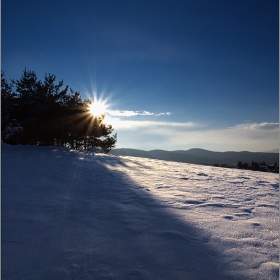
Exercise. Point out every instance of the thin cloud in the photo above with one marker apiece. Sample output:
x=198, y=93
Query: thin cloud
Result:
x=151, y=126
x=128, y=113
x=263, y=126
x=177, y=135
x=163, y=114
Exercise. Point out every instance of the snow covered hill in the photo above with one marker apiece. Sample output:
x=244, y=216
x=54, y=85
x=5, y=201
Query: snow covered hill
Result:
x=76, y=215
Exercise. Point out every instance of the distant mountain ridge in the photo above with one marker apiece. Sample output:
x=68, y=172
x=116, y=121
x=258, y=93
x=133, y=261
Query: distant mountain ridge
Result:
x=201, y=156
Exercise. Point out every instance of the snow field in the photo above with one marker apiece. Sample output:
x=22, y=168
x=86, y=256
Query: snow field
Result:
x=77, y=215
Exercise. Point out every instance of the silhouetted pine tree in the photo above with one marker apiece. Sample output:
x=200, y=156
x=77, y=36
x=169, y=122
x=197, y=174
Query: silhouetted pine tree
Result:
x=240, y=165
x=51, y=115
x=10, y=128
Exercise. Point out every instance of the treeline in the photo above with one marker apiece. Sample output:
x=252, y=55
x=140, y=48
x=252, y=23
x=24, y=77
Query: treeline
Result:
x=255, y=166
x=35, y=112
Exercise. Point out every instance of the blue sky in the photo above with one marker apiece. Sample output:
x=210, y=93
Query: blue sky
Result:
x=175, y=74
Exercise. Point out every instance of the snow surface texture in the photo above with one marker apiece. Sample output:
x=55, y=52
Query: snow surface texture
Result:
x=75, y=215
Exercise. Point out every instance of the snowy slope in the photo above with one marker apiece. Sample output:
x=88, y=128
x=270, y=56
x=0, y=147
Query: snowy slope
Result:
x=76, y=215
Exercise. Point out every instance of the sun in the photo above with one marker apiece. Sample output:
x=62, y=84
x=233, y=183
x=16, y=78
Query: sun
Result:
x=97, y=108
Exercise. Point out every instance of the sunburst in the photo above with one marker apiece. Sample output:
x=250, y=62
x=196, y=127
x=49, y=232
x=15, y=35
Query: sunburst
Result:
x=97, y=108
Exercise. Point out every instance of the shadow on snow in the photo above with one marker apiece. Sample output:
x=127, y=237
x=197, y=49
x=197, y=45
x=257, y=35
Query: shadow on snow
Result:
x=72, y=217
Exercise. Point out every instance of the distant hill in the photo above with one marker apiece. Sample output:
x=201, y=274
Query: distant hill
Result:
x=201, y=156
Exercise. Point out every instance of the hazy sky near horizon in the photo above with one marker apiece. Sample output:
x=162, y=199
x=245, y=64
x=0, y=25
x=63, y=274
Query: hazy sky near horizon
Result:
x=175, y=74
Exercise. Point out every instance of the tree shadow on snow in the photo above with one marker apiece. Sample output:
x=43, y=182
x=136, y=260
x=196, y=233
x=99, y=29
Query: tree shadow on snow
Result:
x=140, y=236
x=99, y=224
